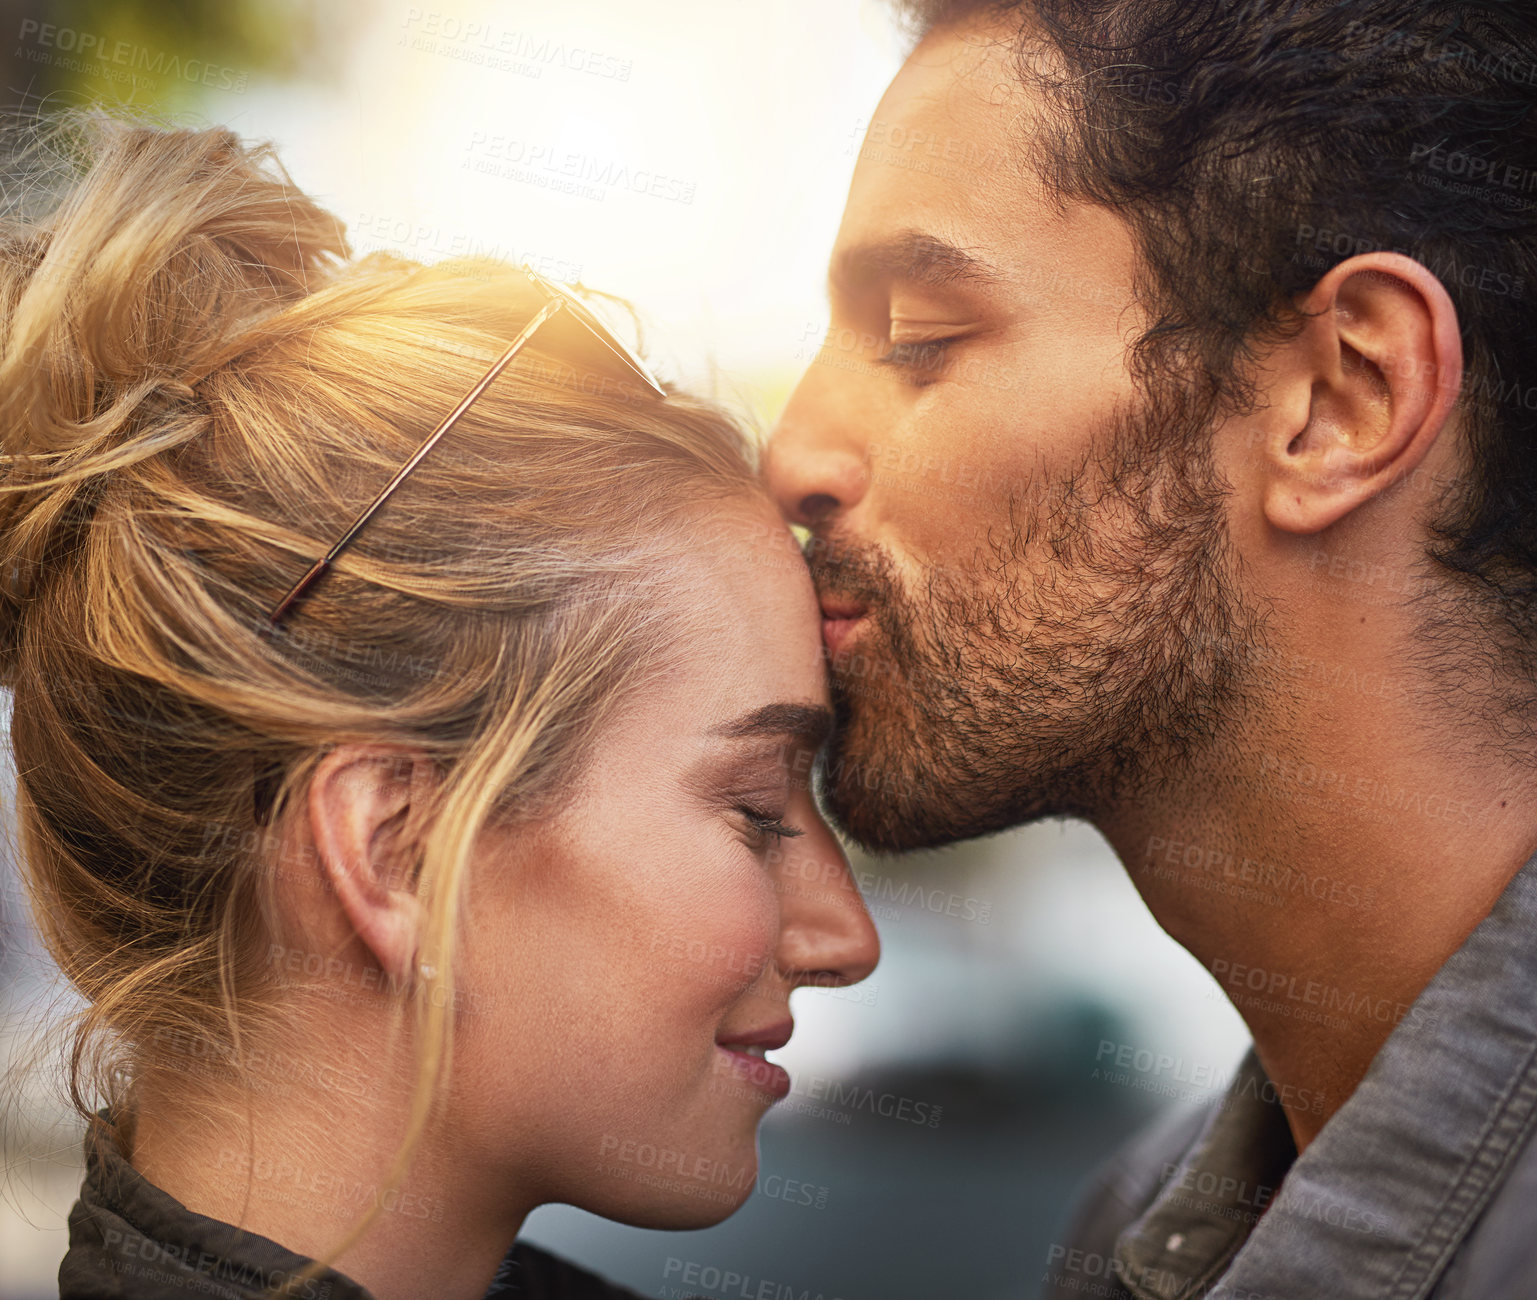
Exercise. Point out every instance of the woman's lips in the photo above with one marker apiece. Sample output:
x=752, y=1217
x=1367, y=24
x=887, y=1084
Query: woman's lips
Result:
x=743, y=1058
x=764, y=1074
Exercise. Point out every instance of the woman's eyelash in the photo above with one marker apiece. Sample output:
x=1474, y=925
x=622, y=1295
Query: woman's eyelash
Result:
x=766, y=825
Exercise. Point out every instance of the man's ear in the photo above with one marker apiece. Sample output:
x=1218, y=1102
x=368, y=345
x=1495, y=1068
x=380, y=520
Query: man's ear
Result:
x=1364, y=390
x=359, y=799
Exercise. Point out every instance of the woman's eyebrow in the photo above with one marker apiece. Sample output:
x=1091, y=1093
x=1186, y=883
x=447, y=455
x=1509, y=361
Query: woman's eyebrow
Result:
x=811, y=723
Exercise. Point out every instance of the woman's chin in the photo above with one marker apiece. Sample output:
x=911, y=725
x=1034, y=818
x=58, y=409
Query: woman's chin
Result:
x=684, y=1216
x=677, y=1191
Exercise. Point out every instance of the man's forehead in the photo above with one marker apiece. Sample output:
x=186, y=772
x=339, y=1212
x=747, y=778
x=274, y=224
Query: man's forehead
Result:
x=964, y=73
x=943, y=165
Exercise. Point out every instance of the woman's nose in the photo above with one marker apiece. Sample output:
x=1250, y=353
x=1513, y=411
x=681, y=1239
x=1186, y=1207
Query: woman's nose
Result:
x=826, y=936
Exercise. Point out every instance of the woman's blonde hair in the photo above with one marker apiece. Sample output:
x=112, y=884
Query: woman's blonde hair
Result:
x=198, y=390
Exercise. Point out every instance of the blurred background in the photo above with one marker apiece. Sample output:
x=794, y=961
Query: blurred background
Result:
x=1028, y=1013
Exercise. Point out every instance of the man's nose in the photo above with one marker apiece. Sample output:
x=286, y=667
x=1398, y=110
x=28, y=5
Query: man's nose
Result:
x=817, y=462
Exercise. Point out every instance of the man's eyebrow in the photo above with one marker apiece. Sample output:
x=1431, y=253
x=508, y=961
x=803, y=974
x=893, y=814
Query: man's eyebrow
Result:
x=913, y=255
x=811, y=723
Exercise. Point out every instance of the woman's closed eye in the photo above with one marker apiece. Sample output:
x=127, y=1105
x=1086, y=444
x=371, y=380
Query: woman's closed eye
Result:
x=765, y=827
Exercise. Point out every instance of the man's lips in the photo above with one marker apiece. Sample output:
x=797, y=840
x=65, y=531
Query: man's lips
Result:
x=839, y=620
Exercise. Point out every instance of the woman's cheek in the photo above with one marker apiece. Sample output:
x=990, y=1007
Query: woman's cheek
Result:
x=725, y=948
x=752, y=931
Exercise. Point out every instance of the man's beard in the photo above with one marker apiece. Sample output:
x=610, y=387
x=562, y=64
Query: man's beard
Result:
x=1086, y=656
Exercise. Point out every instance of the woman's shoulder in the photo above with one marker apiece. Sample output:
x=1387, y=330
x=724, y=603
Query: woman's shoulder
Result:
x=529, y=1273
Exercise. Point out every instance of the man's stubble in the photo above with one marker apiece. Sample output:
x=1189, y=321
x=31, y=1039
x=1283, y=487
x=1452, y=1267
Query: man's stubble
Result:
x=1096, y=647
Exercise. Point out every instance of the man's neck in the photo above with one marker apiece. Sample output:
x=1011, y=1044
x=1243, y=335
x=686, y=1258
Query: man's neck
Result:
x=1324, y=876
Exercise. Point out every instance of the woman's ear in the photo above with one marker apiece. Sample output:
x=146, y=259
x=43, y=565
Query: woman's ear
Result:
x=360, y=798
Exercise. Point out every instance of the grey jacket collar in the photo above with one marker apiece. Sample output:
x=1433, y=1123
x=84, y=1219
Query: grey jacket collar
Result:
x=1380, y=1200
x=1212, y=1198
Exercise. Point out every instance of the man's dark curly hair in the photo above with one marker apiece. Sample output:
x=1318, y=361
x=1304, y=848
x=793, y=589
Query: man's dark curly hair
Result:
x=1253, y=144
